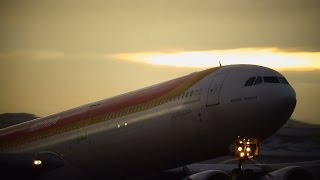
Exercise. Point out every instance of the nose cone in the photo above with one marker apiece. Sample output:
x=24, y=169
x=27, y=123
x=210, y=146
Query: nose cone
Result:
x=285, y=92
x=284, y=99
x=290, y=99
x=281, y=103
x=274, y=110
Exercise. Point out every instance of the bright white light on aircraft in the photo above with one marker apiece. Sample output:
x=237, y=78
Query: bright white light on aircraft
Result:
x=248, y=143
x=242, y=154
x=118, y=126
x=270, y=57
x=239, y=148
x=37, y=162
x=240, y=142
x=248, y=149
x=125, y=124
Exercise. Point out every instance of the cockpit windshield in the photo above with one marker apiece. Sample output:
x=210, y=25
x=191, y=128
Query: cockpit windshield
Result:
x=283, y=80
x=271, y=79
x=258, y=80
x=265, y=79
x=250, y=81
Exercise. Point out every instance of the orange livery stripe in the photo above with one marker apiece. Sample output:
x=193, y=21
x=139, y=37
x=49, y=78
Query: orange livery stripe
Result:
x=105, y=110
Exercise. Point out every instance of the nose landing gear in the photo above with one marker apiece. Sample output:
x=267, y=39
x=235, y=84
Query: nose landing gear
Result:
x=244, y=149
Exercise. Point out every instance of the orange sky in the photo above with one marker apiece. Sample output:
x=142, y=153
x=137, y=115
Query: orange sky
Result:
x=270, y=57
x=56, y=55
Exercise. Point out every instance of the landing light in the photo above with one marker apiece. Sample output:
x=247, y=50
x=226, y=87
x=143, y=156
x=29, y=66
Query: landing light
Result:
x=242, y=154
x=245, y=148
x=37, y=162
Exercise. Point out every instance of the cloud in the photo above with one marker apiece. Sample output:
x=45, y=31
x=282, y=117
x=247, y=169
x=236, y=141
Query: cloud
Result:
x=144, y=25
x=270, y=57
x=51, y=55
x=47, y=54
x=32, y=54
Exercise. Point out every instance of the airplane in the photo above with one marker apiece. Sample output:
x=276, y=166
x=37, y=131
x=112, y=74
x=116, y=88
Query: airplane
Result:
x=206, y=114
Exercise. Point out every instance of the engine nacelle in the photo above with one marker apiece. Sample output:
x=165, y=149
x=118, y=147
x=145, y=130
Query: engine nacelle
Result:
x=209, y=175
x=289, y=173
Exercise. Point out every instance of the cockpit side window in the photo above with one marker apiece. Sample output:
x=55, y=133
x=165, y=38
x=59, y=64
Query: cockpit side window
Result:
x=271, y=79
x=250, y=81
x=283, y=80
x=258, y=80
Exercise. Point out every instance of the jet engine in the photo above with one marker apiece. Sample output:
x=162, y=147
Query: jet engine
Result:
x=209, y=175
x=289, y=173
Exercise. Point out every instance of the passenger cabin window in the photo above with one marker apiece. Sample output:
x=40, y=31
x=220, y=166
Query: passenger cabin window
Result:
x=196, y=92
x=250, y=81
x=271, y=79
x=258, y=80
x=283, y=80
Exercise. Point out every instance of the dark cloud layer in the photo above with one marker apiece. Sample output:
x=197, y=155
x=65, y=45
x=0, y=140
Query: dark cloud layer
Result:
x=121, y=26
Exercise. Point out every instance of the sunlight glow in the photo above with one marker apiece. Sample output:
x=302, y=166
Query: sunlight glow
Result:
x=270, y=57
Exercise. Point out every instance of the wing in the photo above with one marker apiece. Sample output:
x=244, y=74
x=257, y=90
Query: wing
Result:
x=284, y=171
x=29, y=164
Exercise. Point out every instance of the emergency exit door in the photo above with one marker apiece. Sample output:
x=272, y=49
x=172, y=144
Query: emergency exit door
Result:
x=214, y=89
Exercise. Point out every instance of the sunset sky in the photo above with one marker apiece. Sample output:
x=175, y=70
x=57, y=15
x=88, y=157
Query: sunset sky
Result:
x=56, y=54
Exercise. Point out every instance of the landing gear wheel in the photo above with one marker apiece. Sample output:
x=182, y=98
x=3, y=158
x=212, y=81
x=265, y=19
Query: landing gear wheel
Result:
x=244, y=148
x=248, y=174
x=240, y=165
x=236, y=174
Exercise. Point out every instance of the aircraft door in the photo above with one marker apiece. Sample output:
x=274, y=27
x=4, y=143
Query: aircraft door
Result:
x=214, y=89
x=85, y=121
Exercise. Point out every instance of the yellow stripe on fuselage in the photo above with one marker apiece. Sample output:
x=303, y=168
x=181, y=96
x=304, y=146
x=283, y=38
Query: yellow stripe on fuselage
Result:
x=196, y=77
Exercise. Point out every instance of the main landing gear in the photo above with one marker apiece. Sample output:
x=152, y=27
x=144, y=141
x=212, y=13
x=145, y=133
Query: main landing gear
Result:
x=244, y=149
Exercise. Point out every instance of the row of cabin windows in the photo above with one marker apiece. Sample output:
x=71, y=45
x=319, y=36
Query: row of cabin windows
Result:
x=191, y=93
x=120, y=113
x=124, y=112
x=26, y=140
x=266, y=79
x=50, y=133
x=40, y=136
x=148, y=105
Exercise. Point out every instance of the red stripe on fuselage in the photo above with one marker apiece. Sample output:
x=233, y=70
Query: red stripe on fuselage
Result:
x=106, y=106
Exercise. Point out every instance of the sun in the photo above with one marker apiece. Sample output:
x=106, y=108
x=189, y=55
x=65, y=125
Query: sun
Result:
x=269, y=57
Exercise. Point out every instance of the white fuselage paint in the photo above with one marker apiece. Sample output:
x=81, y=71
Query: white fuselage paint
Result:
x=179, y=132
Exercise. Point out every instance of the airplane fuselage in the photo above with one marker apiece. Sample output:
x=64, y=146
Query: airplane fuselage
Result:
x=178, y=122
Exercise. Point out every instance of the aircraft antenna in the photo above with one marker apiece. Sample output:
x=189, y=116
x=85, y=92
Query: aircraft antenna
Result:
x=220, y=63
